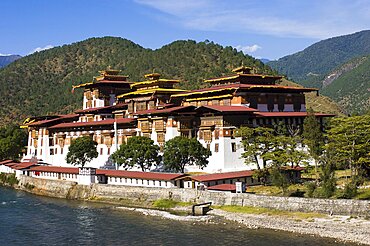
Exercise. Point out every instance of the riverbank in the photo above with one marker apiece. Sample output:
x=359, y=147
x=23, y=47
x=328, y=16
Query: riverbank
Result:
x=340, y=227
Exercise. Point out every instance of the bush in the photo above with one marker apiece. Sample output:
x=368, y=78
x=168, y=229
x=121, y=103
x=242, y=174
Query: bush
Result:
x=350, y=191
x=8, y=179
x=311, y=188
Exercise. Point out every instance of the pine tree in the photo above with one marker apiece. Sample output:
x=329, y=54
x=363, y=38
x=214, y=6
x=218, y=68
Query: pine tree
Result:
x=313, y=137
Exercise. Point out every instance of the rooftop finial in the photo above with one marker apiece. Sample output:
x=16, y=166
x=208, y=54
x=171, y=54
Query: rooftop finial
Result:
x=243, y=69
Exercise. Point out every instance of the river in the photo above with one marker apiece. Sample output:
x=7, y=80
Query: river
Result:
x=26, y=219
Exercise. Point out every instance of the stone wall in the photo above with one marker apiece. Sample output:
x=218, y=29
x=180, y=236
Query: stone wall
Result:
x=142, y=196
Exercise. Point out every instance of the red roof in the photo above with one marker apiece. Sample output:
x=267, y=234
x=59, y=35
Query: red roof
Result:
x=6, y=162
x=60, y=117
x=223, y=187
x=140, y=175
x=55, y=169
x=166, y=110
x=252, y=86
x=221, y=176
x=88, y=110
x=226, y=108
x=290, y=114
x=94, y=123
x=23, y=165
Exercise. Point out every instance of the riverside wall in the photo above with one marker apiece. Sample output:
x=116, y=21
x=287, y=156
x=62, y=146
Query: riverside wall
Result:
x=144, y=197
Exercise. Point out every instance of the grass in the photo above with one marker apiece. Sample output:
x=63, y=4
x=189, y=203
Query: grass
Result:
x=165, y=203
x=363, y=194
x=272, y=212
x=275, y=191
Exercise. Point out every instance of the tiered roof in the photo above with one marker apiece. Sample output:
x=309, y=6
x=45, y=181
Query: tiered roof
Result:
x=107, y=77
x=154, y=85
x=244, y=75
x=228, y=90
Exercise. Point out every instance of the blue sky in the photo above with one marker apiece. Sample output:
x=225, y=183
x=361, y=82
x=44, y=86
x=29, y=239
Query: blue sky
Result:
x=261, y=28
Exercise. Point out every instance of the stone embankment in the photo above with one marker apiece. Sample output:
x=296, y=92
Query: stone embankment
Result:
x=342, y=224
x=142, y=196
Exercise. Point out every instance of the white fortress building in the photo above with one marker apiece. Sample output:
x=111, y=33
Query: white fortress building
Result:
x=115, y=109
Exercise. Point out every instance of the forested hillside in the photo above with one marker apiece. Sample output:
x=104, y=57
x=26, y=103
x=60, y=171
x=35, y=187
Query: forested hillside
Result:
x=41, y=83
x=324, y=65
x=310, y=66
x=350, y=85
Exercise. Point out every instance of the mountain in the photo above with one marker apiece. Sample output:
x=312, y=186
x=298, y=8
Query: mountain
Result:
x=349, y=85
x=264, y=60
x=5, y=60
x=310, y=66
x=41, y=83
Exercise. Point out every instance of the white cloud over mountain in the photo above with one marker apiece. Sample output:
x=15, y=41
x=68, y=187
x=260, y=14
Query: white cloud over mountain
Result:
x=248, y=49
x=287, y=18
x=38, y=49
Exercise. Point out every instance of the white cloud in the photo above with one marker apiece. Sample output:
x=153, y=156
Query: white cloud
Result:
x=38, y=49
x=5, y=54
x=287, y=18
x=248, y=49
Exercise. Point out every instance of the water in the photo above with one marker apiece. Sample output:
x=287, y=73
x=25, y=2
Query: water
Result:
x=27, y=219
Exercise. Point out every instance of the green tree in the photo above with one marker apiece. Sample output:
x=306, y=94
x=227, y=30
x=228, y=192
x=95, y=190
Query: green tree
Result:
x=257, y=143
x=81, y=151
x=327, y=176
x=12, y=142
x=182, y=151
x=350, y=137
x=138, y=151
x=313, y=137
x=279, y=179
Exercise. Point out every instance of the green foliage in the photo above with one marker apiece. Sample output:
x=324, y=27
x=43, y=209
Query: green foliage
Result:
x=353, y=98
x=164, y=203
x=349, y=137
x=279, y=179
x=278, y=145
x=257, y=143
x=315, y=63
x=8, y=179
x=350, y=191
x=327, y=175
x=81, y=151
x=12, y=142
x=311, y=65
x=311, y=187
x=138, y=151
x=52, y=72
x=312, y=134
x=181, y=151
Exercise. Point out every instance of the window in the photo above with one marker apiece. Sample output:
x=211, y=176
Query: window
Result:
x=233, y=147
x=101, y=151
x=217, y=134
x=51, y=151
x=108, y=151
x=216, y=147
x=61, y=151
